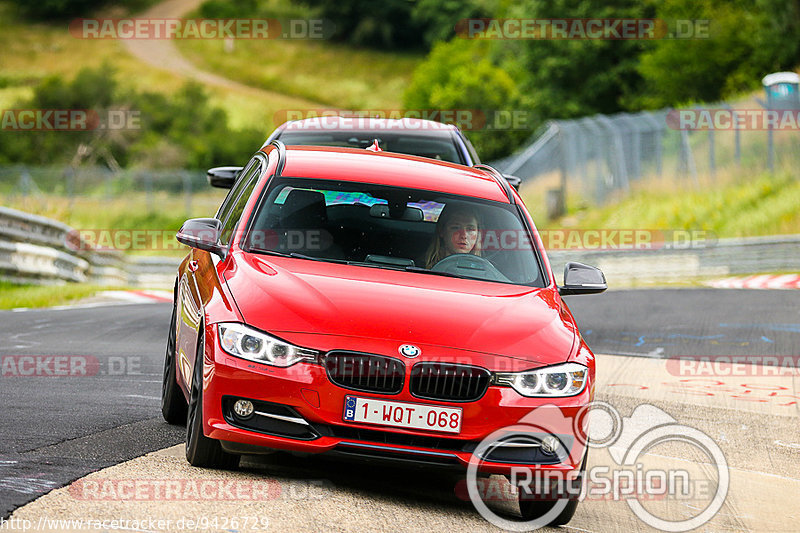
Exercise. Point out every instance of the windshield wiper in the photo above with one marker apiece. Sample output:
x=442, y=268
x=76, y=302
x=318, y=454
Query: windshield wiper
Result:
x=297, y=256
x=434, y=272
x=323, y=259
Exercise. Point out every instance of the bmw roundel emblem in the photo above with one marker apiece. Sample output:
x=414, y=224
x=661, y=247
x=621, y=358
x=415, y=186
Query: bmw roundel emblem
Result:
x=409, y=350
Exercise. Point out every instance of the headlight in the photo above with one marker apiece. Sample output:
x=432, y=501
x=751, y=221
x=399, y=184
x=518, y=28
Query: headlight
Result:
x=567, y=379
x=248, y=343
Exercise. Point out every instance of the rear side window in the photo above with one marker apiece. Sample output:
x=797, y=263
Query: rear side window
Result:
x=234, y=205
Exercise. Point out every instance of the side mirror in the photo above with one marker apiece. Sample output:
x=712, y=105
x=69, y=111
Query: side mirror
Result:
x=582, y=279
x=223, y=177
x=514, y=181
x=203, y=234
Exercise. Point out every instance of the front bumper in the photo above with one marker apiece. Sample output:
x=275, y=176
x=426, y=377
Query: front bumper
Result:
x=302, y=412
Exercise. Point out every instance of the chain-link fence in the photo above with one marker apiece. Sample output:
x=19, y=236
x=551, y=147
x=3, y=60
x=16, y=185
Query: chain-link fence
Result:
x=594, y=157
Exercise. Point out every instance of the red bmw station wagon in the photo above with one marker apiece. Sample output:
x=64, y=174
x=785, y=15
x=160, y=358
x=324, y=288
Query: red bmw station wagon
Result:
x=375, y=306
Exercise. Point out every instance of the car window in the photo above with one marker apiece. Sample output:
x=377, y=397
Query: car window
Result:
x=227, y=204
x=440, y=147
x=392, y=227
x=240, y=194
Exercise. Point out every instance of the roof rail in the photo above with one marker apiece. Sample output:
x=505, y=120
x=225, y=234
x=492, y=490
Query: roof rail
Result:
x=499, y=178
x=281, y=156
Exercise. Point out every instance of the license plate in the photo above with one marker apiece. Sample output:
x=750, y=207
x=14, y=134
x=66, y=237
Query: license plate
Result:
x=402, y=414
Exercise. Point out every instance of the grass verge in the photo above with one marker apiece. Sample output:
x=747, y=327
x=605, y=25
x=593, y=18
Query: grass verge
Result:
x=13, y=295
x=119, y=222
x=730, y=206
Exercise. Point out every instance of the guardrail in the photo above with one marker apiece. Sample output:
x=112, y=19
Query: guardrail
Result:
x=35, y=249
x=751, y=255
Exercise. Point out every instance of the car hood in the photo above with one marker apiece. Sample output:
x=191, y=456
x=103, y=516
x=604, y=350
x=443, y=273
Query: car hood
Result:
x=284, y=296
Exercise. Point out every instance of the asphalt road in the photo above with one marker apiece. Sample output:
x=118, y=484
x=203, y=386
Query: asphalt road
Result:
x=56, y=429
x=105, y=410
x=678, y=322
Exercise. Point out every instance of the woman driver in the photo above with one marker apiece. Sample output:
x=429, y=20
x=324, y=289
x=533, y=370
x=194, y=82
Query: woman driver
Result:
x=457, y=232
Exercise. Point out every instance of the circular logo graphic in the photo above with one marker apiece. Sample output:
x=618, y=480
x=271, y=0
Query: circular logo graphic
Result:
x=409, y=350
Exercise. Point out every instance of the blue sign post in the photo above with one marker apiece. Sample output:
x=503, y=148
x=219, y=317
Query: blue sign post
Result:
x=782, y=93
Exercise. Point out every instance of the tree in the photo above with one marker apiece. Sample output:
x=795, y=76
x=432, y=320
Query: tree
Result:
x=747, y=39
x=459, y=76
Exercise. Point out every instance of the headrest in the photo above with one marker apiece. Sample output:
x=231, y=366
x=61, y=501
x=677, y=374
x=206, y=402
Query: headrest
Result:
x=304, y=209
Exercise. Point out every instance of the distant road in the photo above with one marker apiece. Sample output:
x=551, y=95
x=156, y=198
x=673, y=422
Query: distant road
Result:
x=163, y=54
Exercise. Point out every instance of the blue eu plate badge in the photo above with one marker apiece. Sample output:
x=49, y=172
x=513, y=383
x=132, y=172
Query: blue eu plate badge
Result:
x=349, y=408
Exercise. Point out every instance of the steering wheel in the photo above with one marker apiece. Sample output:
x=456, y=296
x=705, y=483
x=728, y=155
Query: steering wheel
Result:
x=471, y=266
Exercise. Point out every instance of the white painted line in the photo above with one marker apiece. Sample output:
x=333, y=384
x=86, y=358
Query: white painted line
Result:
x=787, y=444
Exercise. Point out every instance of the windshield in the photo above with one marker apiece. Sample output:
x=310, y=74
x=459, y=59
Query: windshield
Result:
x=396, y=228
x=440, y=147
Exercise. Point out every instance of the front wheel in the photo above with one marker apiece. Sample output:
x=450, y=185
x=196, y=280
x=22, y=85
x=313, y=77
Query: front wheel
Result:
x=531, y=508
x=173, y=402
x=200, y=450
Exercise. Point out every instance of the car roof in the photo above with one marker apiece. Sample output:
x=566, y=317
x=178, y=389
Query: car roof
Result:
x=416, y=126
x=389, y=168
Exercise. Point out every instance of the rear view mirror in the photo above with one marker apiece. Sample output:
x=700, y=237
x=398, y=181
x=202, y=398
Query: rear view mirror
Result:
x=223, y=177
x=411, y=214
x=582, y=279
x=203, y=234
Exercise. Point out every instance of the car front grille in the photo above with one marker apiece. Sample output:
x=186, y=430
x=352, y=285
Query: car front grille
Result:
x=365, y=372
x=449, y=382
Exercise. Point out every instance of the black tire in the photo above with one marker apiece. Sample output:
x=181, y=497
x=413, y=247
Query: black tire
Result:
x=200, y=450
x=173, y=402
x=531, y=509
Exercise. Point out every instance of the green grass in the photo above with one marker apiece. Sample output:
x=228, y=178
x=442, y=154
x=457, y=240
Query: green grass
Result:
x=166, y=212
x=35, y=50
x=332, y=74
x=13, y=295
x=741, y=206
